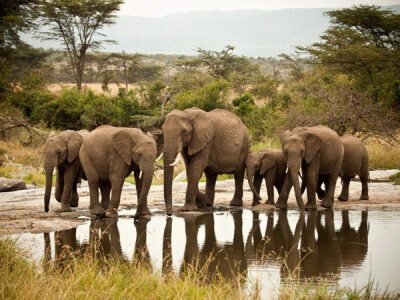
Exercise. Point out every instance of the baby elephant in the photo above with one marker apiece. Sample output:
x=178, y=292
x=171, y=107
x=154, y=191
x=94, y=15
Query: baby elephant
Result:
x=61, y=152
x=355, y=162
x=270, y=165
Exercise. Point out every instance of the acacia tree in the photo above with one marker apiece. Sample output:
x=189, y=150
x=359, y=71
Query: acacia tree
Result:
x=125, y=63
x=223, y=63
x=77, y=24
x=363, y=43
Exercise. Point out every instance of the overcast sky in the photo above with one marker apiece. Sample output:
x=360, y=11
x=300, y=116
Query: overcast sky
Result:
x=159, y=8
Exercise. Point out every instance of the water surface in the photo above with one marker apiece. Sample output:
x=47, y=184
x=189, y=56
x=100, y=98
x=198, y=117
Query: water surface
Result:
x=344, y=247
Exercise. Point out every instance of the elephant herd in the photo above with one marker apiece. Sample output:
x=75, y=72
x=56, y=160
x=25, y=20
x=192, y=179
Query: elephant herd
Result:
x=299, y=250
x=212, y=143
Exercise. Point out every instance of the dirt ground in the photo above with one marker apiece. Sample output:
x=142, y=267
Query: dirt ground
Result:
x=22, y=211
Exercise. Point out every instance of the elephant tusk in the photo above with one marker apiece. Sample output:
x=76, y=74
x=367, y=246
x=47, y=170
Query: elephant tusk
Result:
x=140, y=174
x=161, y=156
x=286, y=169
x=155, y=176
x=177, y=159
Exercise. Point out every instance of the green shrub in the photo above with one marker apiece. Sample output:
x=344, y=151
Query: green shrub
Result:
x=209, y=97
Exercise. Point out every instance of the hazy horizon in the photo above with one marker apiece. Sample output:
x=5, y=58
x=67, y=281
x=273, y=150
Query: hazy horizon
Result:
x=160, y=8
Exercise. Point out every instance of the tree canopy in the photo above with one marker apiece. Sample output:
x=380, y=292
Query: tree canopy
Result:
x=77, y=23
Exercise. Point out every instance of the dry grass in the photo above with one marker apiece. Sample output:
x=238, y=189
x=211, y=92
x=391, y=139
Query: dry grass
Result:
x=383, y=156
x=113, y=88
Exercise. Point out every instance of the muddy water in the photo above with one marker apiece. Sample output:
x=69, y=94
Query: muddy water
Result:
x=345, y=247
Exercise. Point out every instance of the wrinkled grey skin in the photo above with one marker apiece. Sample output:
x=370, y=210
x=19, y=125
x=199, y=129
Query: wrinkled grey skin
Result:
x=108, y=155
x=319, y=152
x=355, y=163
x=214, y=142
x=267, y=164
x=61, y=152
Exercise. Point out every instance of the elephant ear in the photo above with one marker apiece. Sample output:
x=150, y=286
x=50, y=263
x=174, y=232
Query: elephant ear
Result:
x=267, y=162
x=313, y=143
x=203, y=132
x=74, y=142
x=122, y=143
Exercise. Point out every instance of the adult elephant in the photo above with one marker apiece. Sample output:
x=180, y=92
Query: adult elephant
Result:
x=319, y=152
x=61, y=152
x=108, y=155
x=214, y=142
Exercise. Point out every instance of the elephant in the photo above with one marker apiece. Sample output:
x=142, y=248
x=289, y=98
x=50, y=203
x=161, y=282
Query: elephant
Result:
x=355, y=162
x=108, y=155
x=61, y=152
x=270, y=165
x=214, y=142
x=319, y=152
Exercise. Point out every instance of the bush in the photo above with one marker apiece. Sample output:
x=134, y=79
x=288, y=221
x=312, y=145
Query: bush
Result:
x=209, y=97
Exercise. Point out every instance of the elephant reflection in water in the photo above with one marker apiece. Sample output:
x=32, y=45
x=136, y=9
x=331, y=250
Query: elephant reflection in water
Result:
x=228, y=261
x=141, y=254
x=104, y=242
x=317, y=257
x=278, y=242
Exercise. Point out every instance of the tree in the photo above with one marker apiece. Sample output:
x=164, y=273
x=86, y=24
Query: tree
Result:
x=77, y=23
x=125, y=63
x=363, y=43
x=15, y=17
x=222, y=64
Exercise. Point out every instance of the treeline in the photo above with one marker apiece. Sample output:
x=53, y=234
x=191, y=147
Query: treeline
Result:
x=348, y=81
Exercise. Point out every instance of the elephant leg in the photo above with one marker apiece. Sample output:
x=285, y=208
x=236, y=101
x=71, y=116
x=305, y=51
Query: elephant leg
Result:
x=95, y=207
x=239, y=178
x=195, y=170
x=364, y=189
x=257, y=185
x=330, y=190
x=67, y=191
x=311, y=187
x=320, y=192
x=116, y=188
x=105, y=188
x=269, y=182
x=75, y=196
x=210, y=188
x=284, y=194
x=344, y=195
x=59, y=183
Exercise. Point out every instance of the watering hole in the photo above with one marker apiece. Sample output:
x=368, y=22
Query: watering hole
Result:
x=348, y=248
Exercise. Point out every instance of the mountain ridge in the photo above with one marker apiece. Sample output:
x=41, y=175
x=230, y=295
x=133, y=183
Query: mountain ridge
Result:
x=252, y=32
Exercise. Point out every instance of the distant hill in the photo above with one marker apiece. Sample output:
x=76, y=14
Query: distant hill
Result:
x=253, y=32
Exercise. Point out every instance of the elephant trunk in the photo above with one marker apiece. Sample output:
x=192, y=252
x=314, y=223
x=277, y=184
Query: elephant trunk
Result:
x=295, y=180
x=49, y=181
x=148, y=172
x=250, y=180
x=169, y=157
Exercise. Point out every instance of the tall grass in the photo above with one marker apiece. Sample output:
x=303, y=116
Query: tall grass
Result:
x=87, y=278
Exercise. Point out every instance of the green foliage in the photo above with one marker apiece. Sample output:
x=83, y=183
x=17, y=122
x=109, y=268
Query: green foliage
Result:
x=264, y=87
x=152, y=94
x=363, y=43
x=209, y=97
x=396, y=178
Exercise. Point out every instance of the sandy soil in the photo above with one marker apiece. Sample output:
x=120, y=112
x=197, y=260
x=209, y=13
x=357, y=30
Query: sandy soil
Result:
x=22, y=211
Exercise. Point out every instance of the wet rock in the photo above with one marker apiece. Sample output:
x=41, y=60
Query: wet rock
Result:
x=9, y=185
